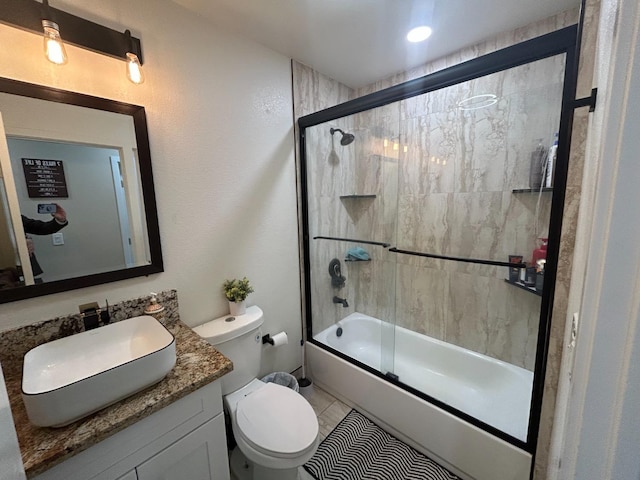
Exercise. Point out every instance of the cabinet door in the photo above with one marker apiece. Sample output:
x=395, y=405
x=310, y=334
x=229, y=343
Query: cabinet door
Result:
x=200, y=455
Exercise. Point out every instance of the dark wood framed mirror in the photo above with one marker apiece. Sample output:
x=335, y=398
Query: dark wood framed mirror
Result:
x=91, y=156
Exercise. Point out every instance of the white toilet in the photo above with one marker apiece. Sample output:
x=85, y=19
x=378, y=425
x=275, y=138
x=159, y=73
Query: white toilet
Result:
x=275, y=427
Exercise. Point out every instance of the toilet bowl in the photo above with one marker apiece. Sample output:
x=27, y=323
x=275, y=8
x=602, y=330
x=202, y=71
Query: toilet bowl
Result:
x=275, y=427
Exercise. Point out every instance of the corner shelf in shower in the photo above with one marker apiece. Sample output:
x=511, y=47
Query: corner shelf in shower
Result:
x=354, y=196
x=522, y=286
x=352, y=260
x=532, y=190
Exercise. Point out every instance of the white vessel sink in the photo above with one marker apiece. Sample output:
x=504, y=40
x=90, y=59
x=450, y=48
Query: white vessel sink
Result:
x=70, y=378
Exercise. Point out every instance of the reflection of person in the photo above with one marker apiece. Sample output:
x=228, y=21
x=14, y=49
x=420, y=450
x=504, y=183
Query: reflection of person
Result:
x=39, y=227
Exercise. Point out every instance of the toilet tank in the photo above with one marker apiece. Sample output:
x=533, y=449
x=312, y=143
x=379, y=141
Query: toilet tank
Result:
x=240, y=340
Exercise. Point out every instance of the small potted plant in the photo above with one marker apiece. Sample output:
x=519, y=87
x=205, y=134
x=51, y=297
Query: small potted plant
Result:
x=237, y=291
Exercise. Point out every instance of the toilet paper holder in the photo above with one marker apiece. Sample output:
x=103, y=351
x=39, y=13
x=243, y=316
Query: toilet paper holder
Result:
x=277, y=340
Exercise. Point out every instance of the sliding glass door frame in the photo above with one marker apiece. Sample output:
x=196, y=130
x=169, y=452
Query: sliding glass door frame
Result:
x=563, y=41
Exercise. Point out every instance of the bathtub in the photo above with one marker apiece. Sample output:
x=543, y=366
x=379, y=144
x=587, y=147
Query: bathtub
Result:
x=492, y=391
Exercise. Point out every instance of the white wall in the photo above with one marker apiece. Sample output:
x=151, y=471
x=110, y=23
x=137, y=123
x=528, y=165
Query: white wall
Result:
x=220, y=121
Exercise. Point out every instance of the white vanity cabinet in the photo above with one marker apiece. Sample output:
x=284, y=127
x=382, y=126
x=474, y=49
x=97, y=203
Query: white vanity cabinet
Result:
x=185, y=440
x=194, y=456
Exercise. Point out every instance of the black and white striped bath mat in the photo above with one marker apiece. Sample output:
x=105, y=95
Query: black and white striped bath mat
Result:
x=357, y=449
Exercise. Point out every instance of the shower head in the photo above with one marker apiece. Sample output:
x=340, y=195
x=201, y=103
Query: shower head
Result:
x=346, y=139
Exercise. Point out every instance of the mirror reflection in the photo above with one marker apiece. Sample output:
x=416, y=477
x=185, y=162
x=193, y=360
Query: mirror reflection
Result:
x=74, y=207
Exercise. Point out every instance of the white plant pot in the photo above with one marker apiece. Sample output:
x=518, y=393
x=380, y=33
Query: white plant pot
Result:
x=237, y=308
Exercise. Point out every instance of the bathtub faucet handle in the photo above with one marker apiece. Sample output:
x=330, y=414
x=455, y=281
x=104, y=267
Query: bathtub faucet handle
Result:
x=343, y=301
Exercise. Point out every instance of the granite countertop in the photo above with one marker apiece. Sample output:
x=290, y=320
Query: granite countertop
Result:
x=197, y=364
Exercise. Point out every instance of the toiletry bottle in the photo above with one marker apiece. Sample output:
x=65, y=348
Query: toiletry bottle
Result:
x=551, y=163
x=536, y=168
x=540, y=252
x=154, y=308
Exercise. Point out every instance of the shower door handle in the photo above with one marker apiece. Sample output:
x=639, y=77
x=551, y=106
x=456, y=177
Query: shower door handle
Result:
x=460, y=259
x=368, y=242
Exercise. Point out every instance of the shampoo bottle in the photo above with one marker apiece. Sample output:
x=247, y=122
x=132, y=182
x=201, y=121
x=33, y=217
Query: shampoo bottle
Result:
x=540, y=252
x=551, y=163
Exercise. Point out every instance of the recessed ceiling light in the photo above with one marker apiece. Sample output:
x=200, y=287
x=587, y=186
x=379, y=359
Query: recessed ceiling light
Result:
x=419, y=34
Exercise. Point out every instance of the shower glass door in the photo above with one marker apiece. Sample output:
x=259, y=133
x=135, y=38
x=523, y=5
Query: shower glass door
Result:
x=472, y=196
x=352, y=184
x=436, y=209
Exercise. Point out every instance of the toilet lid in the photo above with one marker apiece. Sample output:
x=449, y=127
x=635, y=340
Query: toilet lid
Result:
x=277, y=420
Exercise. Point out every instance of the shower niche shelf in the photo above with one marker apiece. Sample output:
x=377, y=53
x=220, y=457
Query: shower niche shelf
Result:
x=356, y=196
x=532, y=190
x=358, y=260
x=524, y=287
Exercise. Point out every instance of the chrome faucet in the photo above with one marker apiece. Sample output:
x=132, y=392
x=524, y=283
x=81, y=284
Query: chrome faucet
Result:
x=343, y=301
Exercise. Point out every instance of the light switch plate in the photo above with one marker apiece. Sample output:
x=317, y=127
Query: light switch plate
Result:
x=57, y=238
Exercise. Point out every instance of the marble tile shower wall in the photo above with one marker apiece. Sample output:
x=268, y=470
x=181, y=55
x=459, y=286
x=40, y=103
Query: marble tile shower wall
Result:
x=312, y=92
x=342, y=171
x=450, y=193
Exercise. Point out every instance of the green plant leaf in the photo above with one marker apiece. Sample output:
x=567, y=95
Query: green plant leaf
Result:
x=237, y=290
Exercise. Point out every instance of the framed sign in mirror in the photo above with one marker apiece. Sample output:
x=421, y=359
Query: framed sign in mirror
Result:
x=77, y=200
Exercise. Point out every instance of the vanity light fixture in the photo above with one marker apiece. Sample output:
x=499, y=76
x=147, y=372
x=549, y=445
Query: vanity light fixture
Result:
x=53, y=47
x=134, y=69
x=34, y=16
x=419, y=34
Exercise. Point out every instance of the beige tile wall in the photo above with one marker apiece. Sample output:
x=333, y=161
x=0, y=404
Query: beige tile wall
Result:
x=450, y=193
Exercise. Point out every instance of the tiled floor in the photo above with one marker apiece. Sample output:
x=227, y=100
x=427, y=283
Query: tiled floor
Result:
x=330, y=413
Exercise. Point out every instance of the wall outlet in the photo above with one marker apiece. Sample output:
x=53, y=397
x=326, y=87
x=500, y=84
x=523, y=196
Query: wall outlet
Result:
x=57, y=238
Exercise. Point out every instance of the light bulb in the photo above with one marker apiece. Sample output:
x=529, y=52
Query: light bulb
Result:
x=385, y=143
x=53, y=46
x=134, y=69
x=419, y=34
x=395, y=145
x=405, y=149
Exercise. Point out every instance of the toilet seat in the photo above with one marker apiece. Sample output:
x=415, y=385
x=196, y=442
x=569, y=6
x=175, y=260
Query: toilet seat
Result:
x=277, y=422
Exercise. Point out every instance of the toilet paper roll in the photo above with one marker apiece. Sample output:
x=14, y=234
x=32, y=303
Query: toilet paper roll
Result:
x=280, y=339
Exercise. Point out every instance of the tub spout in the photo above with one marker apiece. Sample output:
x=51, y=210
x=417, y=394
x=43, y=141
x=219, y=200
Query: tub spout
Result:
x=343, y=301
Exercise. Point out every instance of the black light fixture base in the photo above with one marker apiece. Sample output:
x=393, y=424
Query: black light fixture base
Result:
x=74, y=30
